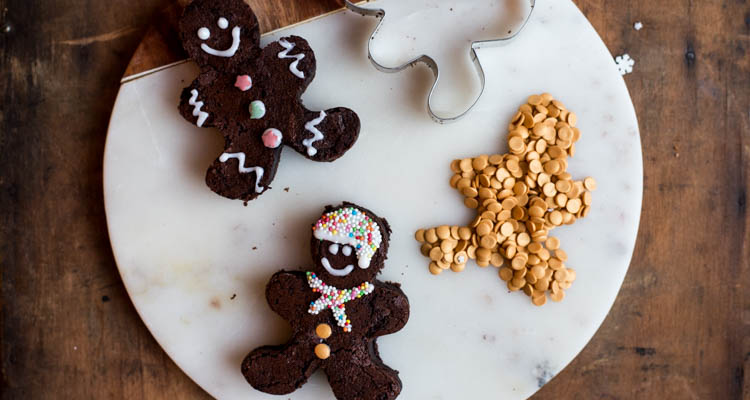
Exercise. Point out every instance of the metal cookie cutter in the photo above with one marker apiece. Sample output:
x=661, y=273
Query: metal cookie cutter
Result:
x=431, y=63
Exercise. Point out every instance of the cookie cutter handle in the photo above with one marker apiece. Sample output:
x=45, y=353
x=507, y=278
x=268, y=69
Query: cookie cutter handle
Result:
x=431, y=63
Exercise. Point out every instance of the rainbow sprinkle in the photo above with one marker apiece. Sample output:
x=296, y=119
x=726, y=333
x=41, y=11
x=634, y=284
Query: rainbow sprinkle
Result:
x=353, y=227
x=334, y=299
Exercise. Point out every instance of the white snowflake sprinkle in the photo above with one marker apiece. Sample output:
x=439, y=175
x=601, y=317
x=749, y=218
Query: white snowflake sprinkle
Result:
x=638, y=26
x=624, y=64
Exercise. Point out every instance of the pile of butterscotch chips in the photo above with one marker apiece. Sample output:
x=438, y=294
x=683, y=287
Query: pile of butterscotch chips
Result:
x=519, y=197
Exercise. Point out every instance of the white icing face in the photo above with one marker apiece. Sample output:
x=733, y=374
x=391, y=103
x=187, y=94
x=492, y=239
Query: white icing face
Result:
x=204, y=33
x=347, y=250
x=333, y=248
x=336, y=272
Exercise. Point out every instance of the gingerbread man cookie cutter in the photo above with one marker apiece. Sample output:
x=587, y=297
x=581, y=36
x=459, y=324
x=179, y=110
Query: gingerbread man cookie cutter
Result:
x=430, y=61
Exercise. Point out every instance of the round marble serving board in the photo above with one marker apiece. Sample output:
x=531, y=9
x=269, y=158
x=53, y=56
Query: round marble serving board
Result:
x=195, y=264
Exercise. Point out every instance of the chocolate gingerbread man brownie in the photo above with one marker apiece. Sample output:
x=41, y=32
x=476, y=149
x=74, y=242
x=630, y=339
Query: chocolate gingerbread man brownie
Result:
x=337, y=311
x=252, y=96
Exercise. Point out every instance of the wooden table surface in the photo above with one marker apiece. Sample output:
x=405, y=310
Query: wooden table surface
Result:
x=680, y=328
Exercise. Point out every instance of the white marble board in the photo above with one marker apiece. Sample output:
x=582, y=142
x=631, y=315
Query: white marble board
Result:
x=195, y=265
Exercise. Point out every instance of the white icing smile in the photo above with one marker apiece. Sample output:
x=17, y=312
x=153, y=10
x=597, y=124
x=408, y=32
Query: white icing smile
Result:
x=336, y=272
x=204, y=33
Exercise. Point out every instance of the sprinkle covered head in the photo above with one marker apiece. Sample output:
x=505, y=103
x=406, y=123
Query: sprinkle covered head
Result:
x=351, y=226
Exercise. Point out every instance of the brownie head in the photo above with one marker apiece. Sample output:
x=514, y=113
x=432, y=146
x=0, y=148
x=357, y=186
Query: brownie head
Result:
x=220, y=34
x=349, y=245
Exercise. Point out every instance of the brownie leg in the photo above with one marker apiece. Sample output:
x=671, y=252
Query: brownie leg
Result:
x=280, y=369
x=358, y=373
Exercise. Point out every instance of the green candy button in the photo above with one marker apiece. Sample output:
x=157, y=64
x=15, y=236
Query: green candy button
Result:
x=257, y=109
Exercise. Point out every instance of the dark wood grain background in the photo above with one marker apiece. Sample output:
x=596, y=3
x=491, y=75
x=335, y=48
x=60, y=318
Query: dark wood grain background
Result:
x=680, y=328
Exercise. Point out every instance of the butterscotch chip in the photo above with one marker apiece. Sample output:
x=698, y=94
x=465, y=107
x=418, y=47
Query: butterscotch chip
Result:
x=496, y=260
x=510, y=252
x=436, y=254
x=484, y=228
x=488, y=242
x=471, y=251
x=483, y=254
x=523, y=239
x=552, y=243
x=485, y=193
x=495, y=207
x=464, y=233
x=561, y=275
x=430, y=235
x=572, y=119
x=443, y=232
x=558, y=296
x=480, y=163
x=530, y=278
x=443, y=264
x=518, y=262
x=528, y=289
x=555, y=263
x=560, y=254
x=534, y=247
x=571, y=275
x=458, y=267
x=573, y=205
x=502, y=216
x=471, y=203
x=461, y=257
x=448, y=245
x=539, y=300
x=552, y=167
x=542, y=284
x=509, y=203
x=549, y=189
x=536, y=211
x=589, y=183
x=496, y=159
x=465, y=164
x=419, y=235
x=556, y=217
x=505, y=273
x=533, y=259
x=425, y=249
x=484, y=180
x=518, y=282
x=461, y=246
x=455, y=166
x=535, y=166
x=506, y=229
x=434, y=269
x=454, y=181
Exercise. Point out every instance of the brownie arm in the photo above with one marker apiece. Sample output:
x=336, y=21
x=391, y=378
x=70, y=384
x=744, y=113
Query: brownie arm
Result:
x=285, y=294
x=388, y=296
x=190, y=104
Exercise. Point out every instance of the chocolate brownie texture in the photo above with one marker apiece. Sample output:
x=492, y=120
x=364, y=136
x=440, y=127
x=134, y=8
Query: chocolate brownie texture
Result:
x=246, y=91
x=354, y=367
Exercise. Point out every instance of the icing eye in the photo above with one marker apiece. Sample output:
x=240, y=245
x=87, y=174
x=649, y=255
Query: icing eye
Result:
x=223, y=23
x=204, y=33
x=333, y=249
x=347, y=250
